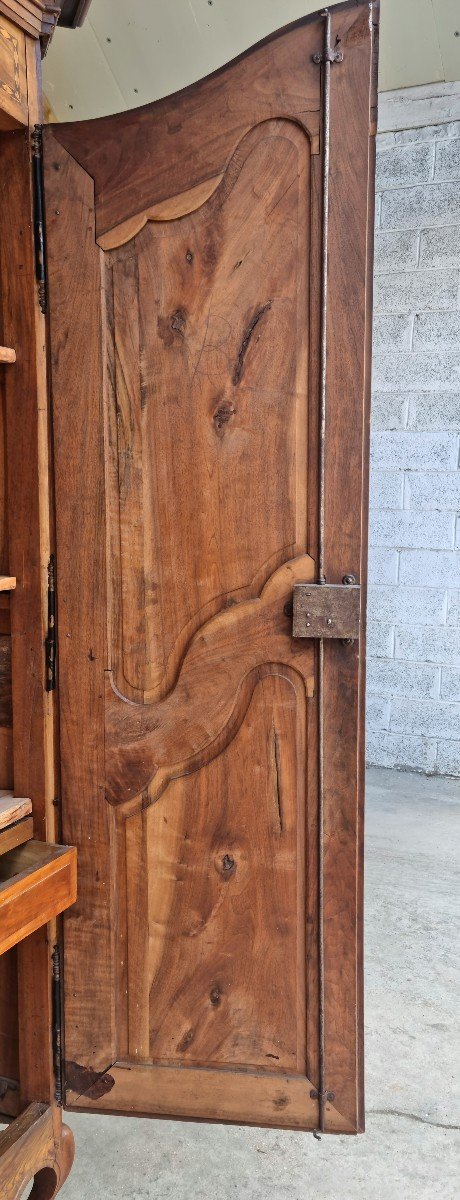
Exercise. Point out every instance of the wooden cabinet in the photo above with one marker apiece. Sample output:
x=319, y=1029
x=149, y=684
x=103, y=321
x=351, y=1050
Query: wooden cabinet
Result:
x=197, y=452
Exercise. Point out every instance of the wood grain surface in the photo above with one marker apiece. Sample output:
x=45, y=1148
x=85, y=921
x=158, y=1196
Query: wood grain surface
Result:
x=187, y=383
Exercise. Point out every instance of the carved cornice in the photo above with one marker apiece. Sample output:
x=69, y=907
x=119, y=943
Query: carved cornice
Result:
x=36, y=17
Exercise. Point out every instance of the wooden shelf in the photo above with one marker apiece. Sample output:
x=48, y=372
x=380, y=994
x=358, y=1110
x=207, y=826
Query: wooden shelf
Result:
x=7, y=583
x=37, y=882
x=7, y=355
x=13, y=808
x=16, y=835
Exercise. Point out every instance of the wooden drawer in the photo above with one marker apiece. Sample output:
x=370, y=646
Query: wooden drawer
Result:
x=37, y=882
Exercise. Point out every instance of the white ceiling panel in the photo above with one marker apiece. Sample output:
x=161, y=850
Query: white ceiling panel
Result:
x=130, y=52
x=447, y=15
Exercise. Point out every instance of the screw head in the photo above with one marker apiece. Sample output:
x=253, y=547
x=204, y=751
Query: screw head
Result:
x=329, y=621
x=349, y=579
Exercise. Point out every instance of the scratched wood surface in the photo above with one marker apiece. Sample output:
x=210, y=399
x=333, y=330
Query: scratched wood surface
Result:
x=187, y=383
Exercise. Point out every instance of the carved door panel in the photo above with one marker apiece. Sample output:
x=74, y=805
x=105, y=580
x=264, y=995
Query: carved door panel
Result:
x=211, y=762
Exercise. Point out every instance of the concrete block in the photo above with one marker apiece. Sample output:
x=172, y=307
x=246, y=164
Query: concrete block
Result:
x=401, y=752
x=431, y=568
x=378, y=206
x=457, y=535
x=384, y=141
x=426, y=104
x=447, y=161
x=432, y=331
x=397, y=251
x=377, y=712
x=438, y=247
x=386, y=489
x=392, y=330
x=450, y=685
x=428, y=645
x=432, y=490
x=448, y=758
x=407, y=449
x=412, y=530
x=425, y=133
x=453, y=608
x=389, y=411
x=412, y=291
x=437, y=410
x=380, y=640
x=401, y=679
x=383, y=566
x=414, y=207
x=405, y=371
x=422, y=719
x=400, y=166
x=407, y=605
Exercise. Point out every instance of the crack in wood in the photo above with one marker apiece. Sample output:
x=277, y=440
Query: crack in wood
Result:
x=238, y=371
x=277, y=776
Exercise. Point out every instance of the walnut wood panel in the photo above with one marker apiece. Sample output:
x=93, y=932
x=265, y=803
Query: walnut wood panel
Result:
x=186, y=378
x=184, y=358
x=196, y=131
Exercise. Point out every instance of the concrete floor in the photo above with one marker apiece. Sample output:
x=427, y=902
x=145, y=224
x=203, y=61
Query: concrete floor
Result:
x=411, y=1149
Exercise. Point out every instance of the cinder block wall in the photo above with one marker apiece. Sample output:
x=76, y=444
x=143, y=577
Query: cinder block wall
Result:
x=413, y=686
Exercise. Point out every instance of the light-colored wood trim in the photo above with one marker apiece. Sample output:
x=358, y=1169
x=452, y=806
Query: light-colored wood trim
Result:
x=7, y=583
x=15, y=835
x=12, y=808
x=7, y=355
x=37, y=882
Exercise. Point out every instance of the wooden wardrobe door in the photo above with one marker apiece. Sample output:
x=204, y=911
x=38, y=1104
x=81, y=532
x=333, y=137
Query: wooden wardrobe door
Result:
x=185, y=243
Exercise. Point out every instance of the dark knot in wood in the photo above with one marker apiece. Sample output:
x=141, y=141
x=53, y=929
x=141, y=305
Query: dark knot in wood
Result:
x=222, y=415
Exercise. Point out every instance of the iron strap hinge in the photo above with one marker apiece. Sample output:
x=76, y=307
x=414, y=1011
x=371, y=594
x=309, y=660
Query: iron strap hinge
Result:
x=39, y=216
x=57, y=1024
x=50, y=641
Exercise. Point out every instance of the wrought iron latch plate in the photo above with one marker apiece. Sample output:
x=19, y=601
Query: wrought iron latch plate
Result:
x=325, y=610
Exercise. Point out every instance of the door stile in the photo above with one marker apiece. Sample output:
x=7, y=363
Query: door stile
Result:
x=352, y=148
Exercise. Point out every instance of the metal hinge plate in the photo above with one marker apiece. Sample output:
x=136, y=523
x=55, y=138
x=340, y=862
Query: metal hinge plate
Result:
x=326, y=610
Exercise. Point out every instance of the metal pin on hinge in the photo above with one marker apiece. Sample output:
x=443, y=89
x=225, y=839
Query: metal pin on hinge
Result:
x=50, y=643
